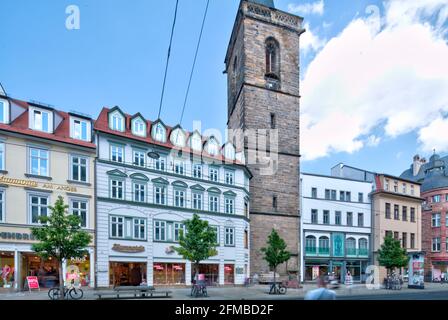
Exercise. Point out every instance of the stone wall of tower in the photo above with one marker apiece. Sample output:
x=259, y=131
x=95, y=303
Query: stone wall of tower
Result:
x=251, y=103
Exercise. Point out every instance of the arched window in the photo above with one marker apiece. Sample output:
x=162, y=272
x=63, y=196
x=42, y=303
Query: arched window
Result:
x=310, y=244
x=363, y=247
x=350, y=244
x=324, y=245
x=272, y=59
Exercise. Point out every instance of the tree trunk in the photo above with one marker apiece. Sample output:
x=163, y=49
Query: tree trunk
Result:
x=275, y=282
x=61, y=281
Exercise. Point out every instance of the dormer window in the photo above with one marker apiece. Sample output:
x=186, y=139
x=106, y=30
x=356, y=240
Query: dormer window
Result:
x=80, y=129
x=139, y=127
x=178, y=138
x=4, y=111
x=159, y=132
x=116, y=121
x=229, y=151
x=212, y=147
x=41, y=120
x=196, y=142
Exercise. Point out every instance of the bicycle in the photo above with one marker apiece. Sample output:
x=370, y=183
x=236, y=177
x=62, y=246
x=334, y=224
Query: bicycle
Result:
x=75, y=294
x=198, y=290
x=277, y=288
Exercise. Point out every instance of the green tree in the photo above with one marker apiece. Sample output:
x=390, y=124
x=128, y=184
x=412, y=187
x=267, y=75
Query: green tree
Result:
x=391, y=255
x=275, y=253
x=199, y=242
x=60, y=237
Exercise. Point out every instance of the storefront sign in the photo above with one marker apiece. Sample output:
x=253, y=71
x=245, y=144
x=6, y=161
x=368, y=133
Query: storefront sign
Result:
x=169, y=250
x=32, y=282
x=16, y=236
x=128, y=249
x=35, y=184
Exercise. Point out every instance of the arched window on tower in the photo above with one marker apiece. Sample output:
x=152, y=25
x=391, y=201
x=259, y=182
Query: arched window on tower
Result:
x=272, y=59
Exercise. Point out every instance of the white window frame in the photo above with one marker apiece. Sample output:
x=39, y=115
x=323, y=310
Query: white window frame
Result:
x=164, y=194
x=79, y=165
x=179, y=167
x=138, y=127
x=159, y=132
x=2, y=155
x=2, y=205
x=111, y=186
x=39, y=126
x=140, y=153
x=229, y=205
x=72, y=209
x=137, y=197
x=229, y=237
x=116, y=121
x=39, y=158
x=162, y=226
x=117, y=147
x=4, y=105
x=212, y=205
x=39, y=205
x=436, y=220
x=119, y=221
x=160, y=162
x=230, y=177
x=73, y=129
x=196, y=142
x=197, y=197
x=437, y=244
x=198, y=171
x=180, y=196
x=211, y=175
x=137, y=222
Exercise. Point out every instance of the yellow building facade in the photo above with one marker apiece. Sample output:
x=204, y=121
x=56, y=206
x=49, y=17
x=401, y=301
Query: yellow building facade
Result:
x=44, y=154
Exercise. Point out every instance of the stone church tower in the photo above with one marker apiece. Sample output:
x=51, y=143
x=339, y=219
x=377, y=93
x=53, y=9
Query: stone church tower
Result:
x=262, y=66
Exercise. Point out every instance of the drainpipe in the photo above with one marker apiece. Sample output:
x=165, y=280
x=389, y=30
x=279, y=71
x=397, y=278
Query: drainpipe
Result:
x=96, y=211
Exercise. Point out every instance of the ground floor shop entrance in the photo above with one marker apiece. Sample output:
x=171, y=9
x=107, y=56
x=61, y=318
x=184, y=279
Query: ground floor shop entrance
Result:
x=211, y=272
x=229, y=274
x=81, y=268
x=46, y=271
x=317, y=268
x=127, y=274
x=439, y=270
x=169, y=273
x=7, y=269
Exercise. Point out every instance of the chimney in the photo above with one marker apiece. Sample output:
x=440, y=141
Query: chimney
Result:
x=417, y=164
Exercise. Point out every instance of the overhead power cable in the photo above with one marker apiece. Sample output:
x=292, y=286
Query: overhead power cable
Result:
x=194, y=62
x=168, y=58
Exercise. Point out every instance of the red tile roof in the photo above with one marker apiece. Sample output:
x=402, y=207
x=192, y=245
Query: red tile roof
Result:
x=61, y=133
x=102, y=125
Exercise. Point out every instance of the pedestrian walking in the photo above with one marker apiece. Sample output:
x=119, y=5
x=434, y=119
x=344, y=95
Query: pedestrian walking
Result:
x=349, y=282
x=321, y=293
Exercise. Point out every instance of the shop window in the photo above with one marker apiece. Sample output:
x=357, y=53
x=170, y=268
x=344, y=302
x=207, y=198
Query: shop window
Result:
x=127, y=274
x=229, y=274
x=169, y=273
x=8, y=270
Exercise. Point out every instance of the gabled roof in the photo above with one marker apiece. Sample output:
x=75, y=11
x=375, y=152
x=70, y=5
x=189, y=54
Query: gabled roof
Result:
x=61, y=133
x=102, y=125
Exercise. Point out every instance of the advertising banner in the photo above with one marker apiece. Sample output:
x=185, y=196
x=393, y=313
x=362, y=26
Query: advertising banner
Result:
x=416, y=271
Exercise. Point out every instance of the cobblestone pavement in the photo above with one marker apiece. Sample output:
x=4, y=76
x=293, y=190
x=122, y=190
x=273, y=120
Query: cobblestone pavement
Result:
x=255, y=292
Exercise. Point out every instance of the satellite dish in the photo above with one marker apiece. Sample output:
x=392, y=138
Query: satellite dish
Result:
x=153, y=155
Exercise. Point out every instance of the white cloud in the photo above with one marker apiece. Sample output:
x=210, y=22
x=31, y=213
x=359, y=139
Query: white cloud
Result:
x=395, y=76
x=373, y=141
x=310, y=41
x=434, y=136
x=307, y=8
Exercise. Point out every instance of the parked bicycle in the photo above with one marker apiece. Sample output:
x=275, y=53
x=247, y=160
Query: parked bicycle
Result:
x=393, y=282
x=72, y=292
x=278, y=288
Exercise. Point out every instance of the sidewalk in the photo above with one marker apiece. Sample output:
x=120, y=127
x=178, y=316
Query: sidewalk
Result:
x=255, y=292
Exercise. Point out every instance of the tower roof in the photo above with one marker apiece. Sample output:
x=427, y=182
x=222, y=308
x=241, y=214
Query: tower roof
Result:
x=267, y=3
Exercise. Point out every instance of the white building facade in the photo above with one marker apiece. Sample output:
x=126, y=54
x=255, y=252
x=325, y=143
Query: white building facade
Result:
x=145, y=191
x=335, y=226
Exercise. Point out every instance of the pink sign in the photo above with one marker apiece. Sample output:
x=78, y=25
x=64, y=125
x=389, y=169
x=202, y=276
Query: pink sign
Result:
x=201, y=277
x=33, y=283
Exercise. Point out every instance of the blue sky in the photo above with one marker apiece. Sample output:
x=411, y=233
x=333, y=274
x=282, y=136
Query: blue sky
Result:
x=118, y=58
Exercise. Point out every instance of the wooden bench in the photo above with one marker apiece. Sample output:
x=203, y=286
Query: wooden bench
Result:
x=132, y=292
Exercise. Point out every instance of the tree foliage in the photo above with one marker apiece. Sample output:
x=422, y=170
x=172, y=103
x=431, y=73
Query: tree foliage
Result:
x=275, y=253
x=60, y=236
x=199, y=241
x=391, y=255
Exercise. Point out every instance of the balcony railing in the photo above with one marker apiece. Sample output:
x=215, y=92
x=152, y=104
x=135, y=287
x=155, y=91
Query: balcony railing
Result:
x=353, y=252
x=323, y=251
